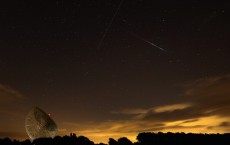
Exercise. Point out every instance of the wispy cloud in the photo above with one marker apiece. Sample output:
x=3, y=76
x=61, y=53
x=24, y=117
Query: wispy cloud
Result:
x=12, y=112
x=7, y=94
x=206, y=109
x=205, y=97
x=170, y=108
x=224, y=124
x=9, y=101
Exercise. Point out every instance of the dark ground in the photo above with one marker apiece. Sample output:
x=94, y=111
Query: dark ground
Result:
x=146, y=138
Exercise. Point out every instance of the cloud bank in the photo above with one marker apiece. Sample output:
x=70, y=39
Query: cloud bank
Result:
x=206, y=110
x=8, y=94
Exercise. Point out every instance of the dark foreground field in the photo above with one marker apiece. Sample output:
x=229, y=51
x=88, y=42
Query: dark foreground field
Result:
x=146, y=138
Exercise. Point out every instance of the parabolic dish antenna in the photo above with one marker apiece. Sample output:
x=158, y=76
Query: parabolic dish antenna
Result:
x=38, y=124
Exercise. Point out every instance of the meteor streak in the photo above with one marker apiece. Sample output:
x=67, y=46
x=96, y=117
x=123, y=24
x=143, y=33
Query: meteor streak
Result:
x=143, y=39
x=109, y=25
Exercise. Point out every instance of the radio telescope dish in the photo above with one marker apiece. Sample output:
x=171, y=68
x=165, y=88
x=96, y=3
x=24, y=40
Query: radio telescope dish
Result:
x=38, y=124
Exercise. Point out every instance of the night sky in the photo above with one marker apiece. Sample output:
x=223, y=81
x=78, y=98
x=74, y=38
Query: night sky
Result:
x=93, y=65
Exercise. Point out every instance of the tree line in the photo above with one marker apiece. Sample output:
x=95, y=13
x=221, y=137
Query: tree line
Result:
x=145, y=138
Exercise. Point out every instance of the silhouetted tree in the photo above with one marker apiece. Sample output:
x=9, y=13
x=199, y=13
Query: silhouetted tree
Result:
x=42, y=141
x=6, y=141
x=82, y=140
x=57, y=140
x=146, y=138
x=124, y=141
x=101, y=144
x=26, y=142
x=16, y=142
x=113, y=141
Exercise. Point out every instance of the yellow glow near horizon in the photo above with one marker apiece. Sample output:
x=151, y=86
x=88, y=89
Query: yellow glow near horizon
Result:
x=116, y=130
x=197, y=126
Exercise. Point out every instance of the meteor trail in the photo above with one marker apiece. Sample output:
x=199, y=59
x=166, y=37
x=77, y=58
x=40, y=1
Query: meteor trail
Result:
x=109, y=25
x=143, y=39
x=154, y=45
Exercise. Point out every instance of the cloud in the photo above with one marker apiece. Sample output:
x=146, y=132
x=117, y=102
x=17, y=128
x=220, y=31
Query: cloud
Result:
x=181, y=114
x=190, y=121
x=211, y=95
x=204, y=97
x=12, y=112
x=10, y=100
x=170, y=108
x=8, y=94
x=205, y=110
x=224, y=124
